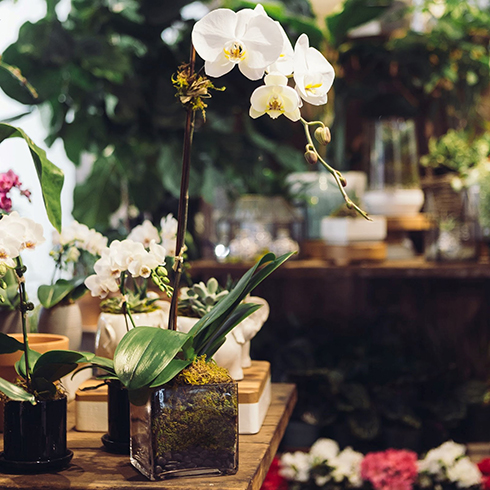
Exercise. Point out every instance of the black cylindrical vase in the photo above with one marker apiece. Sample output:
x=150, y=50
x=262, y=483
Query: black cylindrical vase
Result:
x=35, y=436
x=117, y=439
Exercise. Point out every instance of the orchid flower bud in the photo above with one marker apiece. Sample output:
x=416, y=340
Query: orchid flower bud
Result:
x=323, y=136
x=311, y=157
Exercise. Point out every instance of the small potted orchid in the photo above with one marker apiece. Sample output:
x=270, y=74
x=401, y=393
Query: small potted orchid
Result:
x=75, y=251
x=35, y=407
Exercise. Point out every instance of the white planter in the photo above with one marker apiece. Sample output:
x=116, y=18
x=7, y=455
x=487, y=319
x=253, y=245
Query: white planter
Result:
x=346, y=230
x=63, y=320
x=394, y=202
x=112, y=327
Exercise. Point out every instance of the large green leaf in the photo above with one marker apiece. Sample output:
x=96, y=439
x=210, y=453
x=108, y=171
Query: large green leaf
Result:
x=20, y=365
x=50, y=176
x=55, y=364
x=8, y=344
x=16, y=393
x=51, y=295
x=174, y=367
x=143, y=353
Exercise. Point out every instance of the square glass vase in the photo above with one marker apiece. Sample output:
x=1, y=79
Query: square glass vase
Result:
x=187, y=430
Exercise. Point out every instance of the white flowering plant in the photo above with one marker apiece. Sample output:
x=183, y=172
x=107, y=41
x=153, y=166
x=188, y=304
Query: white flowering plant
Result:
x=448, y=466
x=39, y=373
x=75, y=250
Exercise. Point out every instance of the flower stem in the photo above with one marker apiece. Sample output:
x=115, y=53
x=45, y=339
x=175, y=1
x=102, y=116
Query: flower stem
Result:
x=19, y=270
x=183, y=203
x=339, y=178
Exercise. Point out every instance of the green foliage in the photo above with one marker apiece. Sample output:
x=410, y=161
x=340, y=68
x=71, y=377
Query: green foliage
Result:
x=9, y=289
x=200, y=298
x=137, y=302
x=63, y=291
x=50, y=176
x=105, y=76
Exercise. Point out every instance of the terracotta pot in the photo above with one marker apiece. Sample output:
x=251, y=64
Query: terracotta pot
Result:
x=63, y=320
x=40, y=342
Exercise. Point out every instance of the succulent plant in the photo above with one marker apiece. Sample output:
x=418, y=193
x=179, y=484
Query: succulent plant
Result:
x=200, y=298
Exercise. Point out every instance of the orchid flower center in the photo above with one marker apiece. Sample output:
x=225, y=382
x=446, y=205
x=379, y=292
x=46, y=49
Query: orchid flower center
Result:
x=29, y=245
x=311, y=88
x=275, y=107
x=3, y=254
x=235, y=51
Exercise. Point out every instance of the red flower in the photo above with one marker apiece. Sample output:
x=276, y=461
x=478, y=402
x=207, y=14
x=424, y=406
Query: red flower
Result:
x=273, y=480
x=484, y=466
x=391, y=469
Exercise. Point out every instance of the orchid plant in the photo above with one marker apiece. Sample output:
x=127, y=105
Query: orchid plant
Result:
x=75, y=251
x=39, y=372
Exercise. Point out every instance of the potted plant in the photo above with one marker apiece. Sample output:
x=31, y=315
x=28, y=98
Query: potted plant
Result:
x=35, y=407
x=75, y=251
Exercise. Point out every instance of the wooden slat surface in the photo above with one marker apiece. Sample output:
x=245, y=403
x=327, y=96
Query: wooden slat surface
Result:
x=94, y=469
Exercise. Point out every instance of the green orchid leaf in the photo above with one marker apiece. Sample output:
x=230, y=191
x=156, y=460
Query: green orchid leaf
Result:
x=50, y=176
x=102, y=363
x=20, y=365
x=241, y=312
x=51, y=295
x=43, y=387
x=16, y=393
x=174, y=367
x=8, y=344
x=143, y=353
x=55, y=364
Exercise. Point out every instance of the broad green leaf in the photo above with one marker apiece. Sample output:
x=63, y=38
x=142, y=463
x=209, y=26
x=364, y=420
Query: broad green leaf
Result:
x=8, y=344
x=16, y=393
x=50, y=176
x=103, y=363
x=20, y=365
x=43, y=386
x=174, y=367
x=55, y=364
x=51, y=295
x=143, y=353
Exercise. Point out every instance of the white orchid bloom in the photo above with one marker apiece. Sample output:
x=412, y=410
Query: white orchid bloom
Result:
x=275, y=98
x=144, y=233
x=9, y=249
x=27, y=231
x=224, y=38
x=101, y=286
x=95, y=242
x=158, y=252
x=313, y=74
x=285, y=62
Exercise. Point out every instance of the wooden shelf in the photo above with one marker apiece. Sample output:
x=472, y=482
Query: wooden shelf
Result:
x=316, y=268
x=92, y=468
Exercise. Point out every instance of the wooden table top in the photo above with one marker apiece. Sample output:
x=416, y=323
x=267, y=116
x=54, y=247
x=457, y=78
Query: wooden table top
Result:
x=92, y=468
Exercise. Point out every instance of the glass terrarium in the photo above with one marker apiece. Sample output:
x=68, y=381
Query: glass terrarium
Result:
x=186, y=430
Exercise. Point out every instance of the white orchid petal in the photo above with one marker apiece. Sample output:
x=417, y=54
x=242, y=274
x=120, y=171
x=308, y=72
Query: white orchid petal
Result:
x=254, y=113
x=263, y=40
x=251, y=73
x=276, y=78
x=294, y=115
x=218, y=68
x=213, y=31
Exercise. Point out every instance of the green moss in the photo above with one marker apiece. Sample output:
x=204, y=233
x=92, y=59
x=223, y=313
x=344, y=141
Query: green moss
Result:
x=199, y=410
x=202, y=372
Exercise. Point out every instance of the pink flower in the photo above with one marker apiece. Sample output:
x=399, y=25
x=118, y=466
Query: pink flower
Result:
x=5, y=202
x=8, y=180
x=392, y=469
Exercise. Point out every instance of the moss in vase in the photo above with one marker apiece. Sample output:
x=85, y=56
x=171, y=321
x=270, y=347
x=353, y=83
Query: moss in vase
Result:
x=197, y=414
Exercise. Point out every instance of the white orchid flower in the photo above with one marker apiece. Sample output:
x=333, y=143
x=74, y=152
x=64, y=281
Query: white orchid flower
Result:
x=158, y=252
x=313, y=74
x=9, y=249
x=95, y=242
x=27, y=231
x=144, y=233
x=224, y=38
x=275, y=98
x=101, y=286
x=285, y=62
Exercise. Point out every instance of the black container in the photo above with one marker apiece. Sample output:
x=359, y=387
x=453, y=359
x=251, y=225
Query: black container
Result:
x=117, y=439
x=35, y=436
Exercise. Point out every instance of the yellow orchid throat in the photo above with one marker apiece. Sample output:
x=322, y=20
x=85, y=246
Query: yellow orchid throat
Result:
x=311, y=88
x=235, y=51
x=275, y=107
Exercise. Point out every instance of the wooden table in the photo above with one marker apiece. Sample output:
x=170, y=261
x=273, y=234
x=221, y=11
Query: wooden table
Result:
x=92, y=468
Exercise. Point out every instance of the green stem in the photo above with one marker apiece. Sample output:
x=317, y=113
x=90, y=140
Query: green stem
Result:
x=183, y=204
x=19, y=270
x=125, y=308
x=339, y=178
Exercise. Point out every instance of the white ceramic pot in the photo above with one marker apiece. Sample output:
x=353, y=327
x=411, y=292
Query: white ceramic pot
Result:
x=112, y=327
x=394, y=202
x=62, y=320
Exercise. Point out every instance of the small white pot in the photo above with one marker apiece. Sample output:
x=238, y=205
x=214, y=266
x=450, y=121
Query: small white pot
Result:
x=112, y=327
x=62, y=320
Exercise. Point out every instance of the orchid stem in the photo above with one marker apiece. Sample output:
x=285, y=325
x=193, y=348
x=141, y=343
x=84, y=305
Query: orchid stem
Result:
x=339, y=178
x=183, y=203
x=19, y=270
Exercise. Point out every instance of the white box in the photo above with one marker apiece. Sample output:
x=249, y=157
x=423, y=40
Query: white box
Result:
x=342, y=231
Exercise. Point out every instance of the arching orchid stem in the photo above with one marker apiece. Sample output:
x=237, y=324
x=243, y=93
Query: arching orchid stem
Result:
x=339, y=178
x=24, y=308
x=125, y=308
x=183, y=202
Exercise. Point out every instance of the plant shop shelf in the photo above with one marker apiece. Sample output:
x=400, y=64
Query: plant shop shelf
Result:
x=93, y=468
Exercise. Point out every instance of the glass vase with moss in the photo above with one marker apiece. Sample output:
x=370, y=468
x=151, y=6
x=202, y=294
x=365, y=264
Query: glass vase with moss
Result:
x=188, y=427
